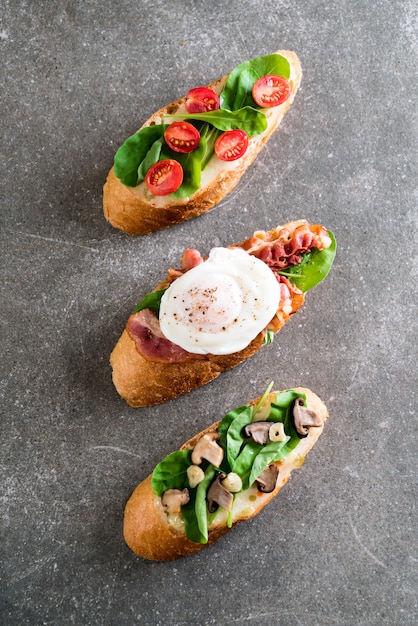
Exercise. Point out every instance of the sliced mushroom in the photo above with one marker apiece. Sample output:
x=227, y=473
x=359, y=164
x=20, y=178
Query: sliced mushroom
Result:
x=259, y=431
x=207, y=448
x=173, y=499
x=304, y=417
x=267, y=480
x=219, y=496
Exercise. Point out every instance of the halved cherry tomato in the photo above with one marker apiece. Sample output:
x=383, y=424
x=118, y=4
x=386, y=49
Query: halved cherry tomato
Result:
x=201, y=100
x=231, y=145
x=271, y=90
x=164, y=177
x=182, y=137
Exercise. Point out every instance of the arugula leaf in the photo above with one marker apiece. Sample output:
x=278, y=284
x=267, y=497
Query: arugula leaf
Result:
x=195, y=513
x=268, y=337
x=210, y=133
x=133, y=151
x=230, y=515
x=171, y=472
x=313, y=268
x=263, y=398
x=152, y=156
x=151, y=301
x=283, y=403
x=244, y=461
x=201, y=508
x=247, y=118
x=191, y=164
x=237, y=91
x=226, y=422
x=188, y=513
x=234, y=436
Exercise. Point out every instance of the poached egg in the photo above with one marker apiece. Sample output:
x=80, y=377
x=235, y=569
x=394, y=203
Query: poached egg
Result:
x=220, y=306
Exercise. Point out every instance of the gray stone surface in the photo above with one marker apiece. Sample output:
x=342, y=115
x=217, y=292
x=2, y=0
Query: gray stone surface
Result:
x=338, y=547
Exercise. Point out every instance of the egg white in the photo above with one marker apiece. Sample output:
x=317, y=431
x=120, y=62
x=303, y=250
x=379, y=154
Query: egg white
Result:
x=220, y=306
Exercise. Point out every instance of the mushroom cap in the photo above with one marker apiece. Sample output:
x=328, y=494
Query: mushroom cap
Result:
x=207, y=448
x=258, y=431
x=173, y=499
x=217, y=494
x=304, y=417
x=267, y=480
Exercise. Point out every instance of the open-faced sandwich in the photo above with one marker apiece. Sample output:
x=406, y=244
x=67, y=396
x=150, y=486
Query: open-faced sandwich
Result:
x=190, y=154
x=223, y=475
x=215, y=312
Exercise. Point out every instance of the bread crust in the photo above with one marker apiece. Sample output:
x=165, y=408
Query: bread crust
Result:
x=136, y=212
x=143, y=383
x=146, y=529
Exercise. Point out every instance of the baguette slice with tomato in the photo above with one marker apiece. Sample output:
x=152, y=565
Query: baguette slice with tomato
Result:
x=142, y=192
x=216, y=312
x=223, y=475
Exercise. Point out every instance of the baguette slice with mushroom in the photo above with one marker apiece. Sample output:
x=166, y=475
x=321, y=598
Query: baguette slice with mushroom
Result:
x=135, y=211
x=153, y=533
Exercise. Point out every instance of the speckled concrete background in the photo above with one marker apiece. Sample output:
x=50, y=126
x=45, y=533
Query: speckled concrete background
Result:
x=338, y=547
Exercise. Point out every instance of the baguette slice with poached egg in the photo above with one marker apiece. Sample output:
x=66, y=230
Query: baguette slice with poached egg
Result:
x=215, y=313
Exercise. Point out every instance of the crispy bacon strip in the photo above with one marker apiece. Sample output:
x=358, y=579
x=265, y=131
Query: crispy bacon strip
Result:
x=285, y=247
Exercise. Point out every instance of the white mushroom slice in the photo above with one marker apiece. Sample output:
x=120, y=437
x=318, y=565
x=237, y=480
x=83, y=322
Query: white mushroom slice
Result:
x=276, y=432
x=304, y=417
x=232, y=482
x=207, y=448
x=173, y=499
x=195, y=474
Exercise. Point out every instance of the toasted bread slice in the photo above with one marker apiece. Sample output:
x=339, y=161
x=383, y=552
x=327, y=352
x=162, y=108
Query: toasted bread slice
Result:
x=143, y=380
x=135, y=211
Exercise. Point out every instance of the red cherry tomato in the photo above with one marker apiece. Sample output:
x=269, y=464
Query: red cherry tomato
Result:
x=271, y=90
x=164, y=177
x=231, y=145
x=182, y=137
x=201, y=100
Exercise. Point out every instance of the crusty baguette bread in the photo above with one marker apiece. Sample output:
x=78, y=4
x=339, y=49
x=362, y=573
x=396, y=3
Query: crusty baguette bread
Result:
x=135, y=211
x=144, y=383
x=147, y=530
